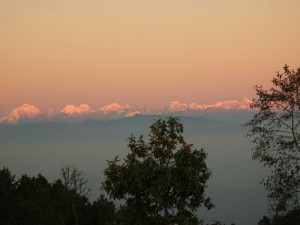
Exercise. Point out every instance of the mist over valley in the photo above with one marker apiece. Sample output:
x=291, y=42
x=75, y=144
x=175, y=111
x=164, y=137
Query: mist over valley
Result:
x=34, y=148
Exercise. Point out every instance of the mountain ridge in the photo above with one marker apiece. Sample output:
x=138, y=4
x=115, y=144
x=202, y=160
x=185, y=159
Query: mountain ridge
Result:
x=72, y=114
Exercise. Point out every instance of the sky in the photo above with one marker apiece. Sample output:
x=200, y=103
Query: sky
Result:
x=142, y=52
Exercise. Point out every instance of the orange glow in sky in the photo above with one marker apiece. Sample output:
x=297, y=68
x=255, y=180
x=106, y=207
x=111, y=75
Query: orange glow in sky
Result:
x=140, y=52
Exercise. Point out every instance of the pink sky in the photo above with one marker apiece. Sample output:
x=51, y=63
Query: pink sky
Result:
x=142, y=53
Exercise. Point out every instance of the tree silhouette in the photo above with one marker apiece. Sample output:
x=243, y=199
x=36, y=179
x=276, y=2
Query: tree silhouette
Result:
x=162, y=181
x=35, y=201
x=76, y=183
x=275, y=132
x=8, y=196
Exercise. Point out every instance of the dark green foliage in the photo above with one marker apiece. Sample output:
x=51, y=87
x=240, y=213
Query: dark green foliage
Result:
x=265, y=221
x=60, y=195
x=290, y=218
x=275, y=130
x=35, y=204
x=7, y=196
x=163, y=180
x=102, y=211
x=33, y=200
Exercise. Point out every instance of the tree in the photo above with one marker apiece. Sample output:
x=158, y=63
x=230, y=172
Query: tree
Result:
x=7, y=195
x=33, y=200
x=290, y=218
x=34, y=203
x=162, y=181
x=275, y=132
x=102, y=211
x=62, y=203
x=76, y=183
x=75, y=180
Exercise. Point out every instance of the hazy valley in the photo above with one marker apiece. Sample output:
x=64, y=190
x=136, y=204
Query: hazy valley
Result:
x=234, y=186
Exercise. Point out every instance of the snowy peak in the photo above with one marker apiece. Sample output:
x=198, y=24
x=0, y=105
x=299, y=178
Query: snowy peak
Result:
x=244, y=104
x=72, y=110
x=177, y=106
x=24, y=111
x=114, y=108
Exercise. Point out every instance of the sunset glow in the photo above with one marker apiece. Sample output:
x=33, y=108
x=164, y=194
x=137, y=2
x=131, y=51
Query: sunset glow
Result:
x=55, y=53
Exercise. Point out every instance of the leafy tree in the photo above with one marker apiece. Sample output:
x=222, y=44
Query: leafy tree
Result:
x=275, y=132
x=163, y=181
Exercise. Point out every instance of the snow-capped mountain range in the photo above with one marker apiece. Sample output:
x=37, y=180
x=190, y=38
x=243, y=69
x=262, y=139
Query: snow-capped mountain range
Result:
x=72, y=113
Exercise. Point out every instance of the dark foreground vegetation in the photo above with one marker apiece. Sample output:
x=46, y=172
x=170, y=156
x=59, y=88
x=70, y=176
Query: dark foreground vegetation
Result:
x=164, y=177
x=36, y=201
x=275, y=132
